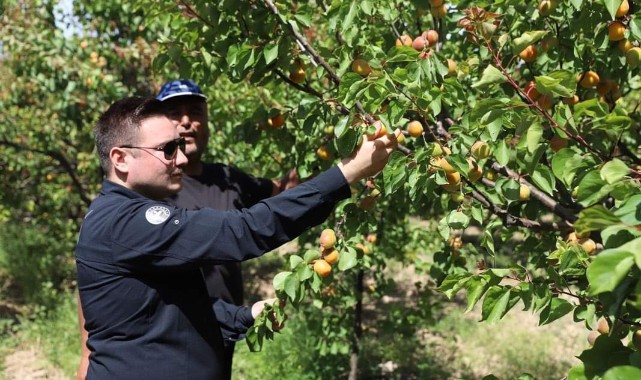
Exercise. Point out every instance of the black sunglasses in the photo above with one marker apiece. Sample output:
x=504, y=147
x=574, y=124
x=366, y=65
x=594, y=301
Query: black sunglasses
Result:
x=170, y=149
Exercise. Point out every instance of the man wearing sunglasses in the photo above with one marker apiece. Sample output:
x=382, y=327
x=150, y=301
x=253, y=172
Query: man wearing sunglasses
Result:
x=138, y=258
x=212, y=185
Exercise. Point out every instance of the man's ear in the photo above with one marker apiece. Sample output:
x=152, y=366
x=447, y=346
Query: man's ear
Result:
x=118, y=158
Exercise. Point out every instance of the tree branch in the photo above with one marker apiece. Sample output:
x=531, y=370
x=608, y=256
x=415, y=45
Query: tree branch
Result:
x=542, y=197
x=58, y=156
x=509, y=219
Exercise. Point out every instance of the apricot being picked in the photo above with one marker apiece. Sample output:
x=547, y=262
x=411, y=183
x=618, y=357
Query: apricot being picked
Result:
x=378, y=131
x=327, y=238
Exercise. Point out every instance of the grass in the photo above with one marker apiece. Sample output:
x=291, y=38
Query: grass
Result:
x=54, y=333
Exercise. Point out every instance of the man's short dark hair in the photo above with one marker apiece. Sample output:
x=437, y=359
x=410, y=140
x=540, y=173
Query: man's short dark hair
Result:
x=119, y=125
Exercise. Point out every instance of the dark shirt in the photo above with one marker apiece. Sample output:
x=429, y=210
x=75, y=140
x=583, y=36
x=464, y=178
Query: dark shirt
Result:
x=145, y=303
x=224, y=188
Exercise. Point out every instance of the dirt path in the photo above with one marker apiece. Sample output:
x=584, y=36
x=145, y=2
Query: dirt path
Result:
x=30, y=364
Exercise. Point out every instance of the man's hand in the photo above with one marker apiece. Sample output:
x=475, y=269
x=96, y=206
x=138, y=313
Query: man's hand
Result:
x=288, y=181
x=370, y=158
x=259, y=306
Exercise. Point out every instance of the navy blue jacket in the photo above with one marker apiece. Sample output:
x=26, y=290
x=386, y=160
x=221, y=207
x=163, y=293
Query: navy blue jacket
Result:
x=145, y=303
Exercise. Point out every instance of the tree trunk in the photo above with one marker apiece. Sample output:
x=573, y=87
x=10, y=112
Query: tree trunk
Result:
x=358, y=327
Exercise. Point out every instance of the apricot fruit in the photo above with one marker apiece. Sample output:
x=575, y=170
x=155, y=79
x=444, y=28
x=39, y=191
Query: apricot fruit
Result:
x=361, y=67
x=327, y=238
x=322, y=267
x=415, y=128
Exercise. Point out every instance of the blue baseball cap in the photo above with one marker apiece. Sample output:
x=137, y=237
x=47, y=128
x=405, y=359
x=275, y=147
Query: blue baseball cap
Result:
x=182, y=87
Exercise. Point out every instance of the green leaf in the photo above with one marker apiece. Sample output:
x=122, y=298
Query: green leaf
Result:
x=607, y=352
x=476, y=288
x=595, y=218
x=559, y=83
x=487, y=241
x=491, y=75
x=630, y=211
x=279, y=280
x=612, y=6
x=349, y=18
x=561, y=164
x=614, y=171
x=453, y=283
x=608, y=269
x=511, y=189
x=592, y=189
x=527, y=38
x=618, y=235
x=270, y=52
x=496, y=303
x=543, y=178
x=395, y=172
x=578, y=372
x=311, y=255
x=502, y=153
x=584, y=313
x=622, y=373
x=347, y=142
x=533, y=137
x=291, y=286
x=635, y=28
x=348, y=259
x=591, y=108
x=304, y=272
x=556, y=309
x=294, y=260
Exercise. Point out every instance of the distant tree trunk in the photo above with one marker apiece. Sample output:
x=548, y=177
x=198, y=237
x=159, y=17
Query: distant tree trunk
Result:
x=358, y=327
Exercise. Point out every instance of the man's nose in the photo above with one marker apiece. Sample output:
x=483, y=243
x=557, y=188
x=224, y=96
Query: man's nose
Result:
x=184, y=122
x=181, y=158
